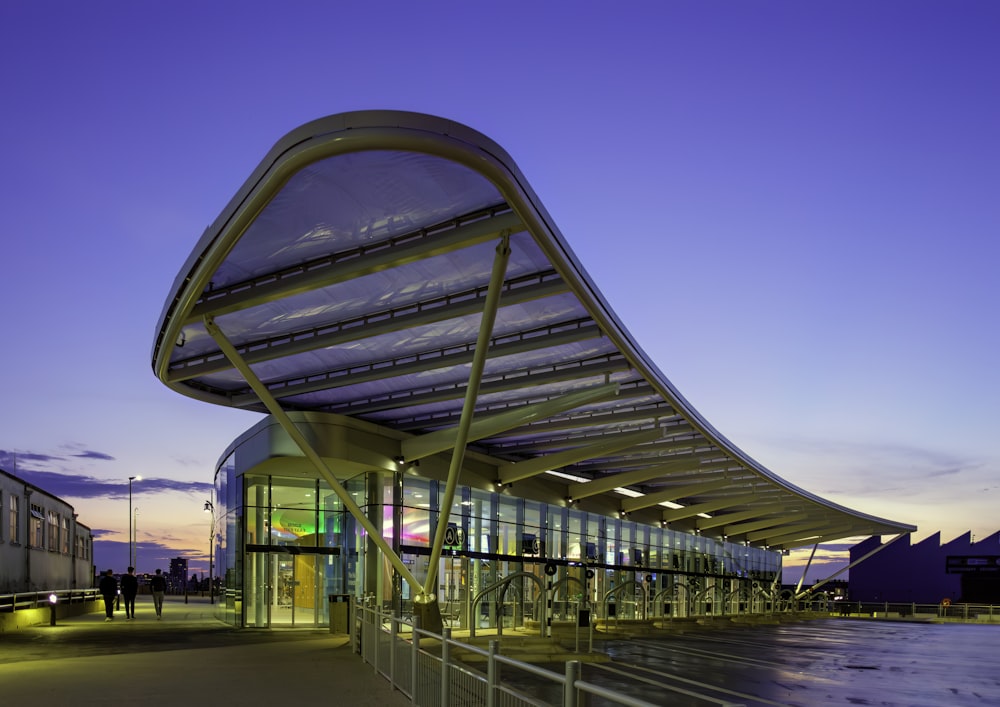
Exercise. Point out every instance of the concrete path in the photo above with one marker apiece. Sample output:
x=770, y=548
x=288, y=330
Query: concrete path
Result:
x=187, y=656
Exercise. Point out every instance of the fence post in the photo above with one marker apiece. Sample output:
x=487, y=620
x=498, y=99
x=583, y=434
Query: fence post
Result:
x=393, y=631
x=414, y=654
x=492, y=674
x=445, y=664
x=569, y=687
x=375, y=632
x=357, y=612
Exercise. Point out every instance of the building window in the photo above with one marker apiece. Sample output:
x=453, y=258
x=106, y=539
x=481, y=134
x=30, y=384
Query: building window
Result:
x=36, y=536
x=65, y=536
x=14, y=503
x=53, y=531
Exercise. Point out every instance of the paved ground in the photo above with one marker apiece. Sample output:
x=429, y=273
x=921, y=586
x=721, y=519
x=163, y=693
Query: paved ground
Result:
x=187, y=656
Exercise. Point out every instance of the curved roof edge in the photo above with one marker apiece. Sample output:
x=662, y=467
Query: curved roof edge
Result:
x=413, y=132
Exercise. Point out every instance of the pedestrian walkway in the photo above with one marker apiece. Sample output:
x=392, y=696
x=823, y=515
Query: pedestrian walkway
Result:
x=187, y=655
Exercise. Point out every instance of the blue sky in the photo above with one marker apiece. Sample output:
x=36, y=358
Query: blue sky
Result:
x=793, y=206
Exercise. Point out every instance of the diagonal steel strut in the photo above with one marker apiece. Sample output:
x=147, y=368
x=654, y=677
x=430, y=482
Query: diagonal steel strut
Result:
x=880, y=548
x=311, y=454
x=490, y=307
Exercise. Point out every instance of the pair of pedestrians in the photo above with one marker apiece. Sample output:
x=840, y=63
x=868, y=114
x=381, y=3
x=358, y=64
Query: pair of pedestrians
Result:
x=129, y=589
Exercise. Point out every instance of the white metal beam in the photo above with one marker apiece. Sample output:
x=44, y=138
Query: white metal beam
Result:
x=516, y=471
x=727, y=518
x=433, y=442
x=651, y=499
x=858, y=561
x=785, y=526
x=311, y=454
x=490, y=307
x=779, y=519
x=674, y=514
x=608, y=482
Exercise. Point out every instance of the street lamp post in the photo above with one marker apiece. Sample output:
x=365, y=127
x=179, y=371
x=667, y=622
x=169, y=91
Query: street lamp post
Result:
x=210, y=508
x=131, y=539
x=135, y=537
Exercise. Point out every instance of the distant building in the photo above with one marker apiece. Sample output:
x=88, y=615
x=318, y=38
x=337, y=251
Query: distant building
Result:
x=178, y=576
x=918, y=573
x=42, y=546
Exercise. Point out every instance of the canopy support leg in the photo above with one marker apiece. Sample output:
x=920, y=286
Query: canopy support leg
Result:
x=311, y=454
x=841, y=571
x=490, y=307
x=812, y=554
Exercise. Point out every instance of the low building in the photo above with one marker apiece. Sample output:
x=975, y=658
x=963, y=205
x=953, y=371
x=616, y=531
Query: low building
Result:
x=42, y=545
x=928, y=572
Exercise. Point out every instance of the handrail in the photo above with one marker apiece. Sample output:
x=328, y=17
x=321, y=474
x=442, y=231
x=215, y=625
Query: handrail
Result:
x=615, y=591
x=502, y=584
x=20, y=601
x=430, y=679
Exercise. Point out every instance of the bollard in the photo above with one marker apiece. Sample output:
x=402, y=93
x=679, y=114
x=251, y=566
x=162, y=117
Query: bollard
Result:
x=52, y=609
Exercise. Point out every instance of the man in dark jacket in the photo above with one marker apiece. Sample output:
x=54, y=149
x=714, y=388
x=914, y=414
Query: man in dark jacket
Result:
x=130, y=587
x=109, y=590
x=158, y=585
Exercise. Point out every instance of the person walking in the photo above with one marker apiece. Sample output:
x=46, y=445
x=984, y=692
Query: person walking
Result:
x=109, y=590
x=130, y=587
x=158, y=585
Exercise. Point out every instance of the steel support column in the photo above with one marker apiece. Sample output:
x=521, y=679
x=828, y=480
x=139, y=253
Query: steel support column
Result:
x=839, y=572
x=311, y=454
x=490, y=307
x=798, y=587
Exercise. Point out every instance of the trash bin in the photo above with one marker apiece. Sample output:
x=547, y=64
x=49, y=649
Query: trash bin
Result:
x=583, y=618
x=340, y=613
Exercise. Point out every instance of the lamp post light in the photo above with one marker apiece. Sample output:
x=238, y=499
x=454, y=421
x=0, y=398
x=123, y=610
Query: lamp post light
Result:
x=210, y=508
x=135, y=537
x=131, y=539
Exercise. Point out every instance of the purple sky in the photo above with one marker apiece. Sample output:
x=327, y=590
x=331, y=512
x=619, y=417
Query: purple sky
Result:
x=792, y=205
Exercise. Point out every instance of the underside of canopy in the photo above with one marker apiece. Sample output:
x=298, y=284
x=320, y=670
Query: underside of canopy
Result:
x=351, y=274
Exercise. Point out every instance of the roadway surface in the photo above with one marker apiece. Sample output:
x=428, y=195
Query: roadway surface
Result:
x=187, y=657
x=805, y=664
x=190, y=656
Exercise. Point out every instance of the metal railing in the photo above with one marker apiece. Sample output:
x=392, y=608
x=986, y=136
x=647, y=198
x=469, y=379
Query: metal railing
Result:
x=34, y=600
x=943, y=612
x=428, y=668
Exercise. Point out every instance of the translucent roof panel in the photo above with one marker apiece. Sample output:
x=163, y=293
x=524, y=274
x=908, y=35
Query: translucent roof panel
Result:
x=351, y=271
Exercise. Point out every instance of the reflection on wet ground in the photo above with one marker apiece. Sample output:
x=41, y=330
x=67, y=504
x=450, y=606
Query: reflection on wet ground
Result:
x=823, y=662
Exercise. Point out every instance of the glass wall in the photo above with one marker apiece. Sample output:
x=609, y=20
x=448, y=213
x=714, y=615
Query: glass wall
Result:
x=282, y=544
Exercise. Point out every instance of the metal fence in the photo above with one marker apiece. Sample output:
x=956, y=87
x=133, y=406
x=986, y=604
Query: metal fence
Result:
x=424, y=667
x=943, y=612
x=34, y=600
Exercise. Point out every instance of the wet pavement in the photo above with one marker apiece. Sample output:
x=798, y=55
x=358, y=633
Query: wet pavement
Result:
x=187, y=656
x=820, y=662
x=190, y=655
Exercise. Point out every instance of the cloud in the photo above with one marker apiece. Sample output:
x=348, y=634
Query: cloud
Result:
x=10, y=460
x=15, y=462
x=90, y=454
x=74, y=485
x=849, y=468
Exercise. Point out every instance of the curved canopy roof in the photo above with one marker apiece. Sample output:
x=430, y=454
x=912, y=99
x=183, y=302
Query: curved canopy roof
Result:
x=351, y=272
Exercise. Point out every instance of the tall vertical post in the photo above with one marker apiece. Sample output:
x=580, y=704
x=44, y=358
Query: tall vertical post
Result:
x=490, y=307
x=210, y=508
x=131, y=561
x=282, y=418
x=135, y=537
x=445, y=665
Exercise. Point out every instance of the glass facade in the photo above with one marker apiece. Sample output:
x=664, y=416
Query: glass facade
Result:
x=283, y=544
